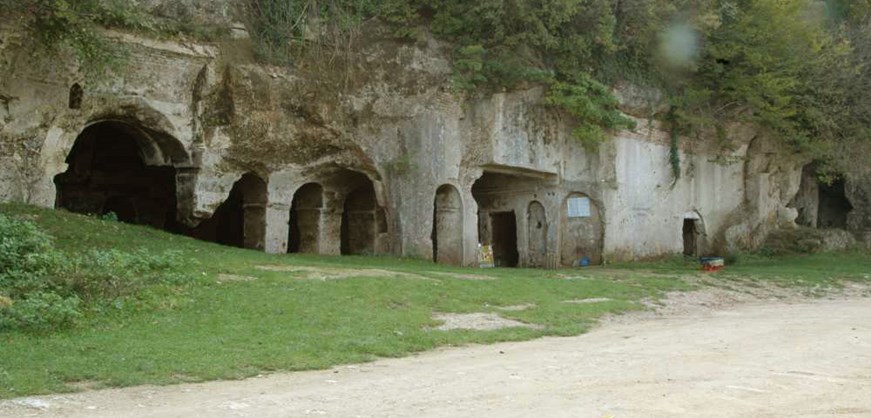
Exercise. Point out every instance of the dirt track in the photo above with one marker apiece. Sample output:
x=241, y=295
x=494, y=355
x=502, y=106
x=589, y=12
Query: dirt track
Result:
x=761, y=359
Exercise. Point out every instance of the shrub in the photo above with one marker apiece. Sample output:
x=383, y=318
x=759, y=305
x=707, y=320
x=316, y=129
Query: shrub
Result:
x=102, y=275
x=27, y=262
x=23, y=247
x=43, y=289
x=40, y=311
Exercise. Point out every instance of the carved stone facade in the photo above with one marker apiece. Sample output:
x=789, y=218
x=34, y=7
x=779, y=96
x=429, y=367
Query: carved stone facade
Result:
x=376, y=154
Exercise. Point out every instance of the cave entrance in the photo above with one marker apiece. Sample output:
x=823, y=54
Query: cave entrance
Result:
x=240, y=221
x=690, y=243
x=504, y=229
x=447, y=228
x=115, y=167
x=359, y=221
x=692, y=231
x=833, y=205
x=821, y=205
x=305, y=219
x=503, y=195
x=536, y=224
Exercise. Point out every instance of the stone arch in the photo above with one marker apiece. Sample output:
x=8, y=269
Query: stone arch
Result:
x=240, y=221
x=536, y=225
x=162, y=146
x=447, y=229
x=156, y=147
x=305, y=219
x=693, y=234
x=359, y=223
x=353, y=217
x=110, y=169
x=582, y=230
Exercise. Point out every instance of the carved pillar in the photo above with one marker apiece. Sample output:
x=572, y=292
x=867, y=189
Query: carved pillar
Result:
x=331, y=224
x=254, y=225
x=276, y=231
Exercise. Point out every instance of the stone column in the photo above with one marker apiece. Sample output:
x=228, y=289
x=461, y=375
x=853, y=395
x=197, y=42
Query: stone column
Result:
x=186, y=194
x=277, y=219
x=331, y=224
x=254, y=225
x=470, y=228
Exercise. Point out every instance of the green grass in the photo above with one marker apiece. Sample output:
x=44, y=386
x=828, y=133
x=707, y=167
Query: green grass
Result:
x=285, y=320
x=818, y=269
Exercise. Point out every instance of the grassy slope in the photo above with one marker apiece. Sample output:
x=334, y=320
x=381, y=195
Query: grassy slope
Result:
x=220, y=329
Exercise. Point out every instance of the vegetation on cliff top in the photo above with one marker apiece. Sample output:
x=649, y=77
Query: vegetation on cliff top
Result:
x=796, y=67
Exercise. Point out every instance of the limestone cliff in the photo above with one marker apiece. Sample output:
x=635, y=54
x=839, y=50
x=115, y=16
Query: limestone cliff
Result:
x=370, y=151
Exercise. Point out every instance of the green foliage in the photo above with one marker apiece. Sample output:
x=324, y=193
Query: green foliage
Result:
x=283, y=28
x=43, y=289
x=782, y=65
x=23, y=247
x=592, y=104
x=106, y=275
x=796, y=67
x=27, y=262
x=40, y=311
x=74, y=27
x=109, y=216
x=275, y=24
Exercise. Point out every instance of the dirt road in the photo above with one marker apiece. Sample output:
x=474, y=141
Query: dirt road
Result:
x=755, y=360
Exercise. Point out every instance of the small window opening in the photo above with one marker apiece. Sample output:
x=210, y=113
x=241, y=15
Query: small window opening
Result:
x=76, y=96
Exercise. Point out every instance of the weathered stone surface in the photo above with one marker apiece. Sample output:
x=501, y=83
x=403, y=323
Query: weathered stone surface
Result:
x=638, y=101
x=837, y=239
x=385, y=119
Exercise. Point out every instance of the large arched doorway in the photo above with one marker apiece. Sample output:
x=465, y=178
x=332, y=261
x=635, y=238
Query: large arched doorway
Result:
x=447, y=227
x=113, y=167
x=240, y=221
x=359, y=227
x=582, y=232
x=305, y=219
x=536, y=234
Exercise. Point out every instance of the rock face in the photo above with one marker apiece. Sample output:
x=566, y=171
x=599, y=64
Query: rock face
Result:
x=370, y=151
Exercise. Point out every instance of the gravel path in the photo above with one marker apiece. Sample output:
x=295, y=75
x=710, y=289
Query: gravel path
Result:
x=768, y=359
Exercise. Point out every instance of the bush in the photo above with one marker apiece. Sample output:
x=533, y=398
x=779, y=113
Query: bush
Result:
x=43, y=289
x=23, y=247
x=40, y=311
x=108, y=275
x=27, y=262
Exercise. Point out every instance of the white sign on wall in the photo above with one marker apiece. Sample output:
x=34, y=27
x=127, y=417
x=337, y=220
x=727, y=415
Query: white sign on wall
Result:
x=579, y=207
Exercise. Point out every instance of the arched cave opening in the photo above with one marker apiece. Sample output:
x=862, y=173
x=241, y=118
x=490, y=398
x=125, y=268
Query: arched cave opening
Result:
x=359, y=221
x=305, y=219
x=107, y=173
x=240, y=221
